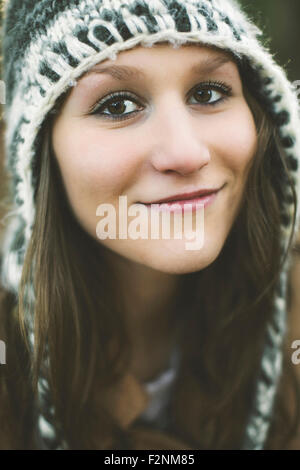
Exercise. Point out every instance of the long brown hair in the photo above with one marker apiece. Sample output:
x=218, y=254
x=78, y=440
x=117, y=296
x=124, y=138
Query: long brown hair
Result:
x=79, y=317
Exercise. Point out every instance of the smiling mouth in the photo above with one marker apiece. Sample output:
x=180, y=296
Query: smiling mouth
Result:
x=190, y=203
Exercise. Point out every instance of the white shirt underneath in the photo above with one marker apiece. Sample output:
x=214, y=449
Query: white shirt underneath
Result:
x=159, y=390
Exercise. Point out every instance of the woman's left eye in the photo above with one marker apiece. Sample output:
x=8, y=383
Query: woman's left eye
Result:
x=211, y=94
x=207, y=94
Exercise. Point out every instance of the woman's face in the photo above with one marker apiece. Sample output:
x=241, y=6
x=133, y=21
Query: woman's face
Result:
x=182, y=125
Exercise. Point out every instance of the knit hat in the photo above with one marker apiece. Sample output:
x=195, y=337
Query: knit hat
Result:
x=48, y=44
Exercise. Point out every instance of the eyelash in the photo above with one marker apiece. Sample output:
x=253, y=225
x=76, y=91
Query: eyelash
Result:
x=122, y=95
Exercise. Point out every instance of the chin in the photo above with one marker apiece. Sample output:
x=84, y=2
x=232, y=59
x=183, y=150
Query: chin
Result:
x=170, y=256
x=183, y=264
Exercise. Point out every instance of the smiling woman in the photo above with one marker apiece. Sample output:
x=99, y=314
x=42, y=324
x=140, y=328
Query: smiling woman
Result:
x=155, y=346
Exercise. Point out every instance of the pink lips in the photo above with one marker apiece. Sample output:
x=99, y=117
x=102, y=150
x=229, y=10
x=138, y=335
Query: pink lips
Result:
x=187, y=204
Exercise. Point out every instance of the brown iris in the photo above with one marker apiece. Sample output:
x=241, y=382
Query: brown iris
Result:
x=116, y=106
x=203, y=96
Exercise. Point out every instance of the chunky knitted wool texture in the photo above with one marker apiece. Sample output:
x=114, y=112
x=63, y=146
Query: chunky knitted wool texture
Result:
x=47, y=45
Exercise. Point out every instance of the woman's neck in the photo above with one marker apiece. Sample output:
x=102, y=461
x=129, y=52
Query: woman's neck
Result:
x=150, y=301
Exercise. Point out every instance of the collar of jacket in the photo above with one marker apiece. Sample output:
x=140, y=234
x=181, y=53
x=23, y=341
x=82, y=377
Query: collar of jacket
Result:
x=126, y=400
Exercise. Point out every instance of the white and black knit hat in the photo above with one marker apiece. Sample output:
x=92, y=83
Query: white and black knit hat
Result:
x=47, y=44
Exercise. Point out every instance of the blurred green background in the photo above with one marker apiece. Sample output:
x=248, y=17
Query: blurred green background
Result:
x=279, y=21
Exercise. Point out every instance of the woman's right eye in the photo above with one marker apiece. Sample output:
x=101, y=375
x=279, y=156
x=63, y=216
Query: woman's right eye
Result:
x=116, y=104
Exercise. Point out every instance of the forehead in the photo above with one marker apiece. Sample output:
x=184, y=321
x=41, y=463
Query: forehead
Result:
x=143, y=66
x=163, y=56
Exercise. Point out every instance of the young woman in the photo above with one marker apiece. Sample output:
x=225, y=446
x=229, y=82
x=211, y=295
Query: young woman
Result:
x=117, y=340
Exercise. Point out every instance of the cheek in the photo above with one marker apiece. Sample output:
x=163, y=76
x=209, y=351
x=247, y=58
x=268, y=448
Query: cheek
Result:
x=237, y=140
x=235, y=152
x=94, y=164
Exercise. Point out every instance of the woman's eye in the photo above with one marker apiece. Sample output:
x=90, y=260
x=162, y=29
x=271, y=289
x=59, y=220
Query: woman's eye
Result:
x=211, y=93
x=122, y=105
x=208, y=96
x=117, y=106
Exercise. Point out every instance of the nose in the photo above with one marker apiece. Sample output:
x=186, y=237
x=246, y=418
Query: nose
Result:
x=179, y=142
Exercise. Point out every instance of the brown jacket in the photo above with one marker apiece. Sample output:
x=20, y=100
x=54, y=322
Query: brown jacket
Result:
x=127, y=400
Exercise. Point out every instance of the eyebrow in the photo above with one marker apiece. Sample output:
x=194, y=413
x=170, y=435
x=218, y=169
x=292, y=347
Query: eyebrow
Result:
x=123, y=72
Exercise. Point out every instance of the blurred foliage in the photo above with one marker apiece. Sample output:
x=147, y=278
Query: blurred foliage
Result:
x=1, y=19
x=279, y=21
